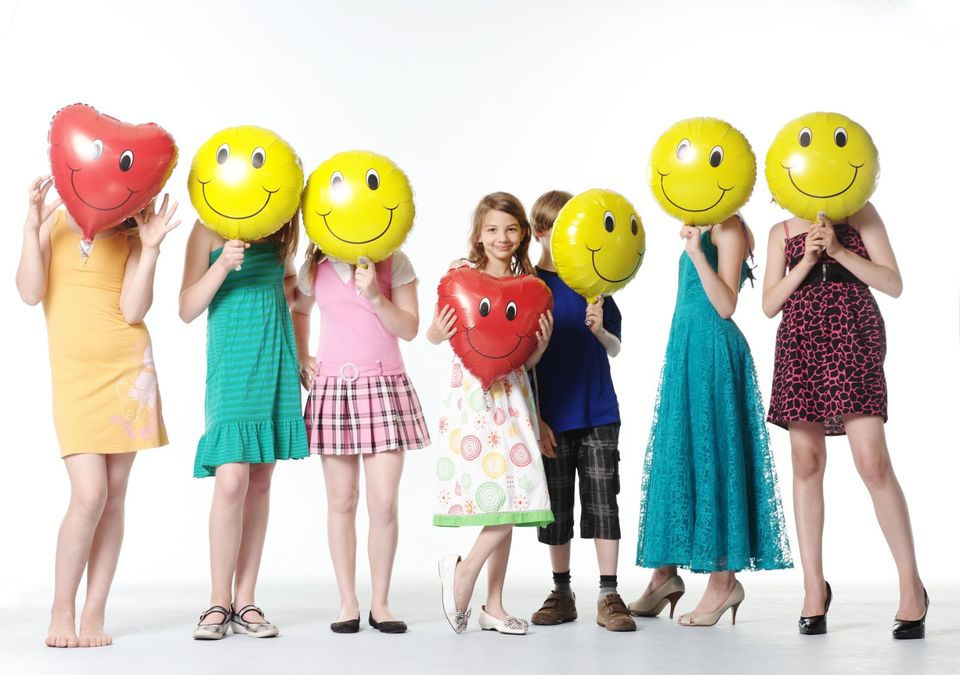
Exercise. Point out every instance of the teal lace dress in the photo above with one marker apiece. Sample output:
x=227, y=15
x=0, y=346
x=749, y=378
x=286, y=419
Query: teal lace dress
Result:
x=710, y=496
x=253, y=384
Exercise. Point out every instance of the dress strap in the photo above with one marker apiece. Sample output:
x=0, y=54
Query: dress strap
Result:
x=786, y=230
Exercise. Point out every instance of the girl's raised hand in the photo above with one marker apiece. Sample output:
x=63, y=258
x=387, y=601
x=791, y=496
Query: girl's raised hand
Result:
x=691, y=235
x=444, y=325
x=365, y=278
x=39, y=211
x=827, y=235
x=546, y=330
x=154, y=225
x=232, y=256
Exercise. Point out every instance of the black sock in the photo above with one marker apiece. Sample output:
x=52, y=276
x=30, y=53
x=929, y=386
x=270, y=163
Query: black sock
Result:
x=561, y=582
x=608, y=584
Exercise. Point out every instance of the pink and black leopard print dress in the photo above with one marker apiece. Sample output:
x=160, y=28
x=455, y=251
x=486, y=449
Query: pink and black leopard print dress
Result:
x=830, y=345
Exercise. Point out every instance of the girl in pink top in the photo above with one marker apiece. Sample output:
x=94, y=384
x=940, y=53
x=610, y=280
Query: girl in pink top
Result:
x=361, y=404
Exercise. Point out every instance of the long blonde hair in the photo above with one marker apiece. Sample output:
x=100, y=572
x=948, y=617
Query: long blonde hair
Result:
x=506, y=202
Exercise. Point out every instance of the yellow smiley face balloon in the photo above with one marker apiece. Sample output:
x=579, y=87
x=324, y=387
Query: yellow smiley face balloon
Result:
x=245, y=183
x=358, y=204
x=702, y=171
x=598, y=243
x=822, y=162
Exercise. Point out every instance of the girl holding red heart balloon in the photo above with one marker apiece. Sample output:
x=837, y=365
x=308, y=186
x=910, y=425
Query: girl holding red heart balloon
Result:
x=489, y=471
x=106, y=403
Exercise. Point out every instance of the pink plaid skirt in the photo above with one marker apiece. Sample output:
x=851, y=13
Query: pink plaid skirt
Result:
x=380, y=413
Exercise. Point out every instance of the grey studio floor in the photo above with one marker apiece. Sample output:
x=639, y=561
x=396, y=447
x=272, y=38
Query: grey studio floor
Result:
x=151, y=628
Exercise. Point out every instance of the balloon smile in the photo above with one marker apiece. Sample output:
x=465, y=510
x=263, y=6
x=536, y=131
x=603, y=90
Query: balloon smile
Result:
x=491, y=356
x=593, y=261
x=73, y=172
x=856, y=170
x=663, y=189
x=365, y=241
x=203, y=189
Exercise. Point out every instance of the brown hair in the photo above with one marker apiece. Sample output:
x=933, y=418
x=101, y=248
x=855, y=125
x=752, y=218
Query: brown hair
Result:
x=546, y=208
x=506, y=202
x=287, y=237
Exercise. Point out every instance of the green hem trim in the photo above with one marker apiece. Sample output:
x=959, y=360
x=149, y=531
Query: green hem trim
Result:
x=520, y=518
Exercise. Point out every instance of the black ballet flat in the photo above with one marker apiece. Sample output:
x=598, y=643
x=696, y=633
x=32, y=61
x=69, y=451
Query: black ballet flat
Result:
x=350, y=626
x=816, y=625
x=387, y=626
x=912, y=630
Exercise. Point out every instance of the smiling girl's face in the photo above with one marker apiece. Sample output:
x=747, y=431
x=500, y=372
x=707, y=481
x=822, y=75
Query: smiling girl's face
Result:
x=500, y=235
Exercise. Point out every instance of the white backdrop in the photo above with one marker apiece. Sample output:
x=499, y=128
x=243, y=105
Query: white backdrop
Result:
x=471, y=98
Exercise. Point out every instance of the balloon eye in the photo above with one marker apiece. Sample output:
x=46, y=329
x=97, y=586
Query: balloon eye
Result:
x=373, y=179
x=223, y=153
x=484, y=307
x=716, y=156
x=683, y=150
x=633, y=225
x=805, y=136
x=609, y=221
x=511, y=311
x=840, y=137
x=336, y=179
x=96, y=149
x=126, y=160
x=258, y=158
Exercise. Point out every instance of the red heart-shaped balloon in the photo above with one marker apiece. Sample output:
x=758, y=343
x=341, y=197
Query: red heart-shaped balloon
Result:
x=107, y=170
x=497, y=319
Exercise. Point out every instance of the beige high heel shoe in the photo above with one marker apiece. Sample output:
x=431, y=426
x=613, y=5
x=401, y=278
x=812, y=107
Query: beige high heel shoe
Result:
x=732, y=602
x=651, y=605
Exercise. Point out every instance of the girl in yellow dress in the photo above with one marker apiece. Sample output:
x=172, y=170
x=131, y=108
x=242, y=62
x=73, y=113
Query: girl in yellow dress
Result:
x=106, y=404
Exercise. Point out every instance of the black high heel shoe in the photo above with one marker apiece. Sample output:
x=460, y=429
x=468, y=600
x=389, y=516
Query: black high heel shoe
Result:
x=912, y=630
x=816, y=625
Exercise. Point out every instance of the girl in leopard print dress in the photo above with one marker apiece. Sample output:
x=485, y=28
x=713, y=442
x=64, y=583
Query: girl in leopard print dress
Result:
x=828, y=380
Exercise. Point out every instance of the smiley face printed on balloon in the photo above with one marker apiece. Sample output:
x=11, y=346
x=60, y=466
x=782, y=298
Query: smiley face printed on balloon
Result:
x=822, y=163
x=702, y=170
x=245, y=183
x=497, y=319
x=104, y=169
x=358, y=204
x=598, y=243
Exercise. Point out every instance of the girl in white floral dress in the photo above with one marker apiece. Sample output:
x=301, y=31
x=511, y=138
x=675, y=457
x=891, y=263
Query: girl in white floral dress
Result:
x=489, y=469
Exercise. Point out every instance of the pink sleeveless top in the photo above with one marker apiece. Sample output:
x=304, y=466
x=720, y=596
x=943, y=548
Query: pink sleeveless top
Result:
x=353, y=341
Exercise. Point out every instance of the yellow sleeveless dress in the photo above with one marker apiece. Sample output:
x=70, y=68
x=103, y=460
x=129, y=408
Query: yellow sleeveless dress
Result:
x=105, y=394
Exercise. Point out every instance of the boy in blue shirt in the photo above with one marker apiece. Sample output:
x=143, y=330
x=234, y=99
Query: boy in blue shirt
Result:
x=579, y=431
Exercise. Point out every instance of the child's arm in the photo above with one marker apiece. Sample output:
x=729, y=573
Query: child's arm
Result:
x=400, y=314
x=778, y=284
x=543, y=339
x=201, y=280
x=723, y=286
x=594, y=320
x=136, y=295
x=35, y=254
x=881, y=271
x=444, y=325
x=300, y=314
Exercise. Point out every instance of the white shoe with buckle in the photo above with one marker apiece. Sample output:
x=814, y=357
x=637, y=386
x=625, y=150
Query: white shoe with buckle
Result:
x=510, y=625
x=448, y=569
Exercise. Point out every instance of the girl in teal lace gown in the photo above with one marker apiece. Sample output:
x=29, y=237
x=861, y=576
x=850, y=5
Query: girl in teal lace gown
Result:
x=710, y=497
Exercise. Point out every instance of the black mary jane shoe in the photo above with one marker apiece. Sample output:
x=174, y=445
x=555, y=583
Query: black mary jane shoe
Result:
x=387, y=626
x=349, y=626
x=912, y=630
x=817, y=624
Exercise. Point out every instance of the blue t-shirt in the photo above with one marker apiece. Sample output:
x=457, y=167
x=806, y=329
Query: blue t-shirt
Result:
x=573, y=377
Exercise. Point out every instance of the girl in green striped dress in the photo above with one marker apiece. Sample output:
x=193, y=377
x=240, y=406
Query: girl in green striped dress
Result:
x=253, y=413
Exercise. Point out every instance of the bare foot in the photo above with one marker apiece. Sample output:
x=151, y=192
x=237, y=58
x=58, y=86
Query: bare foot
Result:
x=496, y=611
x=347, y=613
x=461, y=591
x=382, y=613
x=718, y=590
x=912, y=605
x=62, y=631
x=91, y=630
x=658, y=578
x=814, y=600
